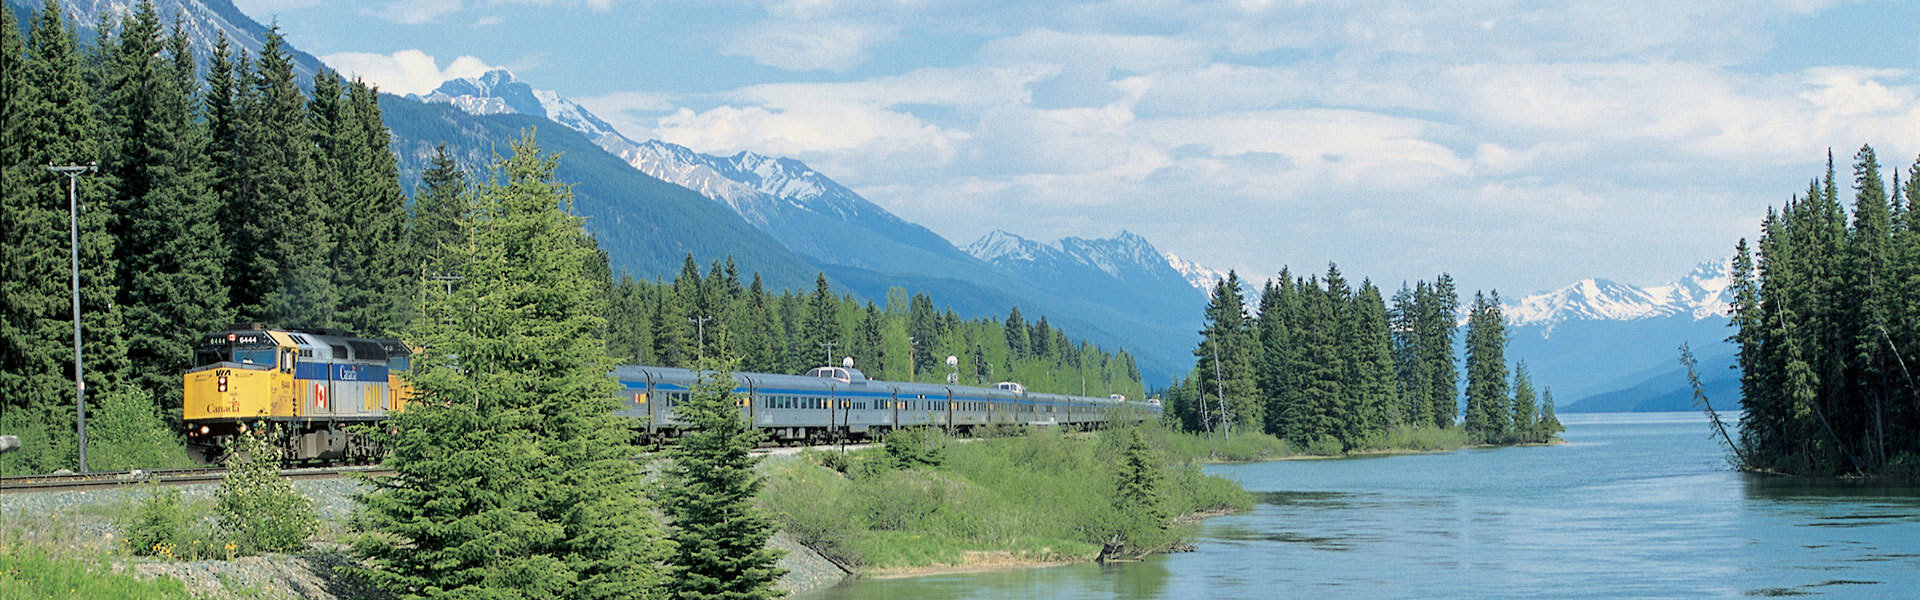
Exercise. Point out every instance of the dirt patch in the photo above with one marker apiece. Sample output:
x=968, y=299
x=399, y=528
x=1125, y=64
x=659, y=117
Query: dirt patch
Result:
x=973, y=562
x=311, y=576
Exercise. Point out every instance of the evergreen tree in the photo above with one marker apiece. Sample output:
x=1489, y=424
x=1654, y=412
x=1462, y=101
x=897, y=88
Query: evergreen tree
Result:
x=286, y=242
x=822, y=333
x=1526, y=420
x=513, y=477
x=1489, y=418
x=1226, y=356
x=720, y=535
x=370, y=212
x=1549, y=425
x=1437, y=323
x=170, y=251
x=1142, y=523
x=1375, y=385
x=440, y=212
x=55, y=122
x=1278, y=380
x=1016, y=334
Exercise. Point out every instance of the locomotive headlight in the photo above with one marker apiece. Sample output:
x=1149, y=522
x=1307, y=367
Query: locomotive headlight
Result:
x=223, y=383
x=204, y=430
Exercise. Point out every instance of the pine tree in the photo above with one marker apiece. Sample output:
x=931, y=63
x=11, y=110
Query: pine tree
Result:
x=1376, y=389
x=1142, y=523
x=823, y=324
x=172, y=257
x=287, y=240
x=1226, y=357
x=720, y=535
x=1549, y=425
x=370, y=213
x=1489, y=418
x=1437, y=323
x=440, y=212
x=1016, y=335
x=55, y=123
x=513, y=477
x=1278, y=381
x=1526, y=421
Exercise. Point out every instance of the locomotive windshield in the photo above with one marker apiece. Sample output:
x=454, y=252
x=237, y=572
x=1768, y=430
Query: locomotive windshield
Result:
x=246, y=355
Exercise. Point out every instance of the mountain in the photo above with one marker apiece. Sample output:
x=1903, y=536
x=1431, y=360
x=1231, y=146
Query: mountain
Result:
x=1126, y=271
x=1604, y=345
x=643, y=223
x=869, y=250
x=204, y=21
x=1202, y=278
x=1701, y=294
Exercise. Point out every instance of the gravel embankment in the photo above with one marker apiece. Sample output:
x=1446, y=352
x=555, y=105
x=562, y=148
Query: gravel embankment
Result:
x=308, y=576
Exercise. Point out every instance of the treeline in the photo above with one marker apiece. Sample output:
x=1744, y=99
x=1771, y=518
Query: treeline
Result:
x=1826, y=314
x=232, y=196
x=1332, y=369
x=671, y=324
x=219, y=197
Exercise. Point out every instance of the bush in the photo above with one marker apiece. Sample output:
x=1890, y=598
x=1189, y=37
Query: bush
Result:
x=258, y=508
x=1327, y=445
x=126, y=434
x=160, y=525
x=916, y=447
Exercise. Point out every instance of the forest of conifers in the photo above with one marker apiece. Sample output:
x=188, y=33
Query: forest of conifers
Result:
x=1332, y=369
x=1826, y=313
x=230, y=195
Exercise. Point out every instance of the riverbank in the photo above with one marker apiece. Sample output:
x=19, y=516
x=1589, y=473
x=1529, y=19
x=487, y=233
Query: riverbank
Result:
x=932, y=506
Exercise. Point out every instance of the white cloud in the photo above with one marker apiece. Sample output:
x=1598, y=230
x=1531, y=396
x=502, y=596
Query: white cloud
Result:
x=852, y=139
x=808, y=46
x=405, y=72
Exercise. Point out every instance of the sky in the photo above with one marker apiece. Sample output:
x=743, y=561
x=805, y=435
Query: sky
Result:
x=1518, y=145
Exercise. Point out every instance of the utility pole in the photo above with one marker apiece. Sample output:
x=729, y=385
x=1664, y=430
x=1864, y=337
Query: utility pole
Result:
x=1220, y=387
x=910, y=359
x=700, y=325
x=73, y=173
x=829, y=346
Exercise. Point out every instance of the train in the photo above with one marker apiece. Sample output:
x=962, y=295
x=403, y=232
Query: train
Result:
x=312, y=387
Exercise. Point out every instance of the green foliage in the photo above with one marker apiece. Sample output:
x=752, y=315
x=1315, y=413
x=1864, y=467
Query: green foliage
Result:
x=257, y=508
x=915, y=447
x=1041, y=496
x=1489, y=409
x=513, y=478
x=1141, y=522
x=1822, y=313
x=125, y=434
x=160, y=525
x=30, y=572
x=708, y=493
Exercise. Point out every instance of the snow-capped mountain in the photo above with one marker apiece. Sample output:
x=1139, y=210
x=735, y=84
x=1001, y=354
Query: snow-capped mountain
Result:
x=1201, y=277
x=1126, y=256
x=203, y=20
x=1703, y=293
x=497, y=92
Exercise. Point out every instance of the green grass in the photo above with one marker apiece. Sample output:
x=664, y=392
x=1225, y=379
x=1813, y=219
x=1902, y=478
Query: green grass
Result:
x=29, y=572
x=1039, y=497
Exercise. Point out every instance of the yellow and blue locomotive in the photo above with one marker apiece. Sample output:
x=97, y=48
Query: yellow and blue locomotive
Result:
x=306, y=388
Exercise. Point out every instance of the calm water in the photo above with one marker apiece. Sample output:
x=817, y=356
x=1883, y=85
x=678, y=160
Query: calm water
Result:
x=1634, y=506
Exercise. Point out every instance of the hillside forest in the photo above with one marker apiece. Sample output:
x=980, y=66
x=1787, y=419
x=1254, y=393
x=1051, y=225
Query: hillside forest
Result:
x=1826, y=317
x=234, y=194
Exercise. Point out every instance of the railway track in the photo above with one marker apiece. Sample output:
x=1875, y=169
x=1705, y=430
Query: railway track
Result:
x=19, y=484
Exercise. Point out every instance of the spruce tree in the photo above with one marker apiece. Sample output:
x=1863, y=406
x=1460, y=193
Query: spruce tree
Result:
x=1226, y=358
x=287, y=240
x=1437, y=324
x=1016, y=335
x=1549, y=425
x=439, y=213
x=720, y=535
x=1142, y=523
x=1489, y=417
x=513, y=477
x=55, y=123
x=370, y=213
x=1377, y=393
x=172, y=256
x=1526, y=420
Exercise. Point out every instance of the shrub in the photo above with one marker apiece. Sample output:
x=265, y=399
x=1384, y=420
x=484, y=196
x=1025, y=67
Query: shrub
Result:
x=160, y=525
x=257, y=507
x=127, y=434
x=1327, y=445
x=916, y=447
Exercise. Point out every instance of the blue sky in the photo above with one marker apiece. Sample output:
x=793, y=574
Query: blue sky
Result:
x=1518, y=145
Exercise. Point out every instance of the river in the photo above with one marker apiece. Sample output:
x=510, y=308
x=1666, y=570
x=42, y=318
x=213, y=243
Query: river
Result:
x=1632, y=506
